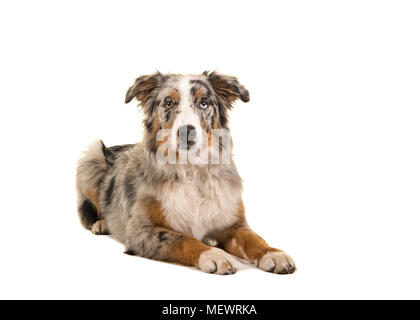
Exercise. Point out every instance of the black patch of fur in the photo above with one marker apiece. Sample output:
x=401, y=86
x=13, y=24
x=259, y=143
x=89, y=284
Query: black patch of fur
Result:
x=148, y=124
x=109, y=191
x=88, y=214
x=223, y=116
x=168, y=114
x=120, y=148
x=200, y=82
x=112, y=153
x=130, y=252
x=130, y=189
x=106, y=153
x=162, y=236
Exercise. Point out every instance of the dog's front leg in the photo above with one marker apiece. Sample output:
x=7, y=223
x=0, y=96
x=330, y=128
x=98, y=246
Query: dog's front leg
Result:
x=246, y=244
x=160, y=243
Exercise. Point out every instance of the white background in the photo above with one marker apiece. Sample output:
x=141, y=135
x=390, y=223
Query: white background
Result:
x=328, y=147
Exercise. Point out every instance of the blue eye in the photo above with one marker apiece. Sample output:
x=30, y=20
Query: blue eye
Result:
x=204, y=104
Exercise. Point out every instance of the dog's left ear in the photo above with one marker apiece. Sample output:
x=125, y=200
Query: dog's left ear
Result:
x=227, y=87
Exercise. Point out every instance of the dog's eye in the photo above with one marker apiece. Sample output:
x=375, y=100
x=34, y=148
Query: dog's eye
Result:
x=169, y=104
x=204, y=104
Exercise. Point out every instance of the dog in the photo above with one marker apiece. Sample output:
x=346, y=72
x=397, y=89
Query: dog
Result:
x=176, y=196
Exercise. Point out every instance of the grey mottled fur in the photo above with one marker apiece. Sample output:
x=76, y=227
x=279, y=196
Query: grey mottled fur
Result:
x=197, y=199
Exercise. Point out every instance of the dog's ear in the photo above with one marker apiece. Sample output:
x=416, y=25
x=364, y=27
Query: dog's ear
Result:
x=227, y=87
x=145, y=88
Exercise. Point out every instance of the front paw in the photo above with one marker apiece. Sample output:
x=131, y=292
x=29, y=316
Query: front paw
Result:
x=217, y=261
x=277, y=262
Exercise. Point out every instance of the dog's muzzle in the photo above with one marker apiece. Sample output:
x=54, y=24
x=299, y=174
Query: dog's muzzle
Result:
x=186, y=136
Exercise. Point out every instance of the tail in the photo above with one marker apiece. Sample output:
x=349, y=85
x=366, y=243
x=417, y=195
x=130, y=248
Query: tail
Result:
x=91, y=169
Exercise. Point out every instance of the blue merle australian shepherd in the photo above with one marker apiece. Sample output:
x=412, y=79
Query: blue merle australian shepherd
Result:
x=176, y=196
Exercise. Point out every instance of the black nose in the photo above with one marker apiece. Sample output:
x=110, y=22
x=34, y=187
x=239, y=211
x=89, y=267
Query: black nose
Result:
x=186, y=135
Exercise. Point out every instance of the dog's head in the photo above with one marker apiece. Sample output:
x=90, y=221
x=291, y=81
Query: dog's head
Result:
x=190, y=110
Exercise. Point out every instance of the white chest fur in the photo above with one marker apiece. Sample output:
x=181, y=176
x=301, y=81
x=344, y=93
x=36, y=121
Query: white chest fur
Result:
x=196, y=207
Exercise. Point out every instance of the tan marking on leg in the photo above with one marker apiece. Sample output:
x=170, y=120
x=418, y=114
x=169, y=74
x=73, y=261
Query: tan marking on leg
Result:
x=248, y=245
x=187, y=251
x=154, y=209
x=241, y=241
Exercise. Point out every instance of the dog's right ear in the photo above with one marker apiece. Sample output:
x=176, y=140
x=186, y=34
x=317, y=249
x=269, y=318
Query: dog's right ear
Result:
x=145, y=89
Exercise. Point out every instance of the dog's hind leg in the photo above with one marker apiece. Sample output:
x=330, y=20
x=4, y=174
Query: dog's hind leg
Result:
x=87, y=213
x=91, y=170
x=91, y=217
